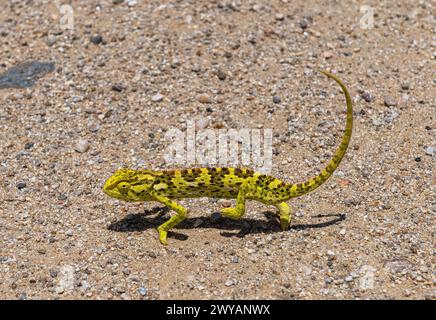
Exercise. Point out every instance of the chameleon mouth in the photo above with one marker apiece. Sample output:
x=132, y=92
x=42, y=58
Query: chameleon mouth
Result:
x=110, y=189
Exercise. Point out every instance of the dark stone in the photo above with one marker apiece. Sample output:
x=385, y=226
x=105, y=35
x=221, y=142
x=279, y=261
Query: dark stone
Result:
x=96, y=39
x=21, y=185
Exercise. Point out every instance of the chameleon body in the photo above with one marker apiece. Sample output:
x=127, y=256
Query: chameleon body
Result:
x=229, y=183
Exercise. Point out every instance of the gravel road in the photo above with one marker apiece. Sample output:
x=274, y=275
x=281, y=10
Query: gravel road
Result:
x=127, y=72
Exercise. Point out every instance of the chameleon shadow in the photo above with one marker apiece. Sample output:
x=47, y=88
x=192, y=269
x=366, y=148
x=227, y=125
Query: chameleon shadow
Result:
x=141, y=221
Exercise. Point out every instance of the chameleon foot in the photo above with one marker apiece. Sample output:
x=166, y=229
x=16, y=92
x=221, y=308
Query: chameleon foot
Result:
x=284, y=223
x=284, y=214
x=162, y=236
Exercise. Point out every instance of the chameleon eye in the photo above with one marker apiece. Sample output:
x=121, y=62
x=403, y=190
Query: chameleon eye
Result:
x=123, y=186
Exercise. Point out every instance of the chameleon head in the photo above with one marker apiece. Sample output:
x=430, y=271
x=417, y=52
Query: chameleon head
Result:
x=129, y=185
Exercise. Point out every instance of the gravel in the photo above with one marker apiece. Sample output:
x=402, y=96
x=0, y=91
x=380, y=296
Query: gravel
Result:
x=78, y=104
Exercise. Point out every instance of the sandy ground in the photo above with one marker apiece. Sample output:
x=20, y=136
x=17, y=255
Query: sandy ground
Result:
x=130, y=71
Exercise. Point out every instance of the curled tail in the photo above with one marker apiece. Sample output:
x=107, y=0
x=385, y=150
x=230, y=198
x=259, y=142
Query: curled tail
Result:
x=299, y=189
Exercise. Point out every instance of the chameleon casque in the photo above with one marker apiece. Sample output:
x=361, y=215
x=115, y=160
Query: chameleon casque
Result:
x=230, y=183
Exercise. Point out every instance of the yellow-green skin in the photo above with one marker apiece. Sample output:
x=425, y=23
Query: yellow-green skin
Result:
x=230, y=183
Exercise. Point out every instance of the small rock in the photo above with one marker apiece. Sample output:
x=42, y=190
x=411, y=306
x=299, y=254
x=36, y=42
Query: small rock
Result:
x=224, y=203
x=142, y=291
x=132, y=3
x=230, y=282
x=390, y=102
x=62, y=197
x=405, y=86
x=117, y=1
x=330, y=254
x=76, y=99
x=51, y=40
x=96, y=39
x=82, y=146
x=366, y=96
x=28, y=145
x=303, y=24
x=204, y=98
x=430, y=151
x=280, y=17
x=342, y=232
x=327, y=54
x=418, y=159
x=117, y=88
x=69, y=233
x=42, y=251
x=221, y=75
x=157, y=98
x=93, y=127
x=21, y=185
x=348, y=279
x=277, y=99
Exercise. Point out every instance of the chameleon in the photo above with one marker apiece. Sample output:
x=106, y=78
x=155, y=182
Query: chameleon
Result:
x=241, y=184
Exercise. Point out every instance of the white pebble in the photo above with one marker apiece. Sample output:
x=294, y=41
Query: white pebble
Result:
x=157, y=97
x=81, y=146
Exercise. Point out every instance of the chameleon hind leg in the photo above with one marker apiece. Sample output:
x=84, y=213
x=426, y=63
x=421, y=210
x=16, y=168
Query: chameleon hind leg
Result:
x=238, y=211
x=284, y=214
x=173, y=221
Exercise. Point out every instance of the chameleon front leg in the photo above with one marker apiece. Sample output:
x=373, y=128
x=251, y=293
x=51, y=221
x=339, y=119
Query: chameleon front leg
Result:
x=238, y=211
x=284, y=214
x=173, y=221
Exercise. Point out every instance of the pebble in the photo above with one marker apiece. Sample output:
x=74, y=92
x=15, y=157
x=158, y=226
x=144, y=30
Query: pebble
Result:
x=142, y=291
x=327, y=54
x=224, y=203
x=204, y=98
x=132, y=3
x=51, y=40
x=303, y=24
x=277, y=99
x=62, y=197
x=221, y=75
x=430, y=151
x=117, y=1
x=81, y=146
x=69, y=232
x=21, y=185
x=96, y=39
x=366, y=96
x=390, y=102
x=117, y=88
x=280, y=16
x=330, y=254
x=405, y=86
x=157, y=98
x=230, y=282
